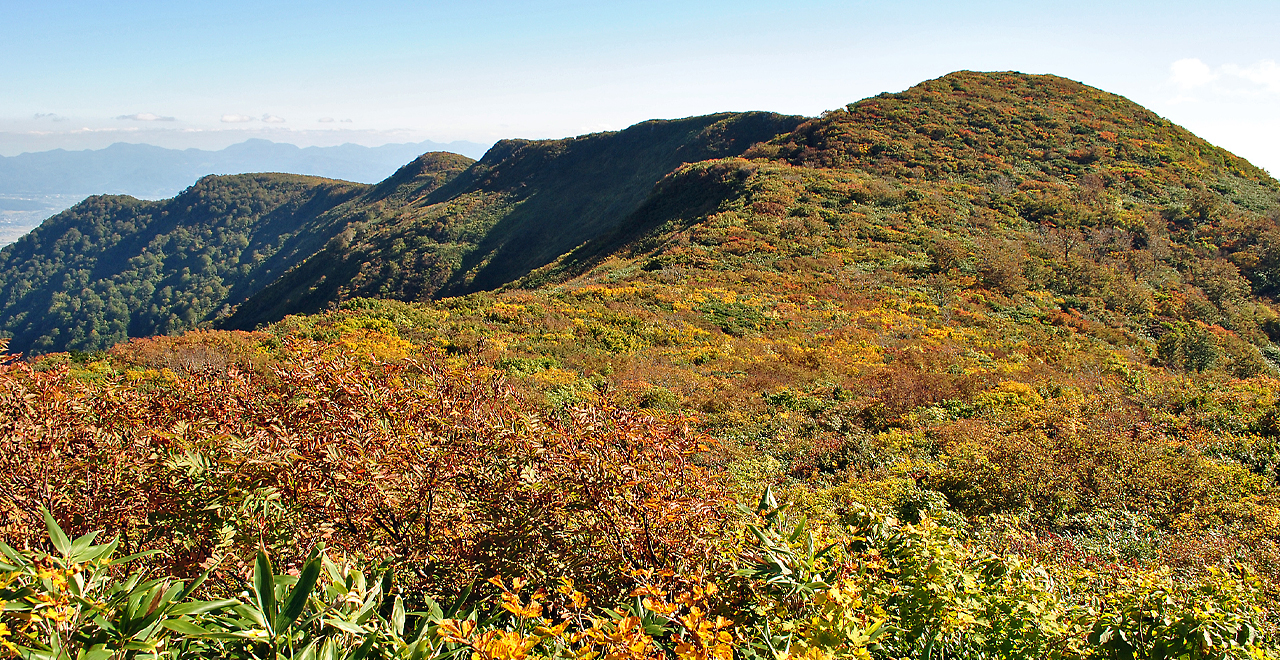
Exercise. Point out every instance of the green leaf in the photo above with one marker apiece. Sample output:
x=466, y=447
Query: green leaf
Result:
x=264, y=585
x=102, y=623
x=767, y=502
x=161, y=605
x=345, y=626
x=81, y=544
x=799, y=529
x=461, y=600
x=388, y=579
x=203, y=606
x=433, y=611
x=98, y=652
x=363, y=652
x=191, y=588
x=14, y=556
x=252, y=613
x=308, y=653
x=329, y=651
x=298, y=597
x=184, y=627
x=335, y=573
x=367, y=610
x=56, y=535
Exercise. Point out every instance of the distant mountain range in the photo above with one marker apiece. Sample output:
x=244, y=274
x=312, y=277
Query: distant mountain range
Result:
x=142, y=170
x=34, y=186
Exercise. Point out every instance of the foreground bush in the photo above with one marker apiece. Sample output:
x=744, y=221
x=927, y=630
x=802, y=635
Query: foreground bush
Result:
x=888, y=591
x=438, y=468
x=421, y=508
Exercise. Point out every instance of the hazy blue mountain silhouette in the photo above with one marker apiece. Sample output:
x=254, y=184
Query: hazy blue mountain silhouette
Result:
x=146, y=171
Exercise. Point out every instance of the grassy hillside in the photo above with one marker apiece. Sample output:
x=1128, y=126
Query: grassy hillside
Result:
x=521, y=206
x=1082, y=351
x=983, y=369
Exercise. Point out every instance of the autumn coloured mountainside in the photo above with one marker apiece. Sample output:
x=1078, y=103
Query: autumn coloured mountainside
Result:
x=986, y=368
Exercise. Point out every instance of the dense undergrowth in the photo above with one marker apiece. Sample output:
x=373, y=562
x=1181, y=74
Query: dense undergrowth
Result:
x=1007, y=360
x=420, y=506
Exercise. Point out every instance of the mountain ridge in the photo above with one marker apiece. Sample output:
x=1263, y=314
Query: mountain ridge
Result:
x=518, y=208
x=985, y=151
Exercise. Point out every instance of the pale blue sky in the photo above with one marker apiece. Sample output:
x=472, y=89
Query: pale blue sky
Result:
x=205, y=74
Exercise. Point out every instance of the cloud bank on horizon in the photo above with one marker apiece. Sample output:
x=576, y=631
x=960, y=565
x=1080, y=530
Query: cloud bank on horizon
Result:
x=146, y=116
x=81, y=75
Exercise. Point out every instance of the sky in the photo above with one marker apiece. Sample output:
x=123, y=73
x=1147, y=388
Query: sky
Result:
x=79, y=75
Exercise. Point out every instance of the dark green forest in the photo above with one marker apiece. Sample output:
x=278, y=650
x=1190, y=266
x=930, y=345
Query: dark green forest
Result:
x=115, y=267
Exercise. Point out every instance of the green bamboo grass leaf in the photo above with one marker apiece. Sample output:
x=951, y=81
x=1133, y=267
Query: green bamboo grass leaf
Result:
x=14, y=556
x=767, y=501
x=345, y=626
x=799, y=530
x=363, y=652
x=264, y=586
x=298, y=597
x=140, y=602
x=98, y=652
x=162, y=605
x=308, y=653
x=362, y=615
x=104, y=623
x=156, y=598
x=252, y=613
x=460, y=601
x=80, y=545
x=191, y=588
x=59, y=538
x=330, y=650
x=203, y=607
x=183, y=627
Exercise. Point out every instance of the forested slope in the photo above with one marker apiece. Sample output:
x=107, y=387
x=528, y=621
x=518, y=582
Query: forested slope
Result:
x=115, y=267
x=518, y=208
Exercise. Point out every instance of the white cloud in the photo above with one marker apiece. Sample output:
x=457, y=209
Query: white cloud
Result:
x=325, y=120
x=1265, y=73
x=1191, y=72
x=86, y=129
x=346, y=121
x=272, y=119
x=236, y=119
x=1261, y=76
x=145, y=116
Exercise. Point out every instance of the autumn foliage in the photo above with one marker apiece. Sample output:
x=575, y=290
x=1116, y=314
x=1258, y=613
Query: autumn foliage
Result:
x=435, y=467
x=987, y=368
